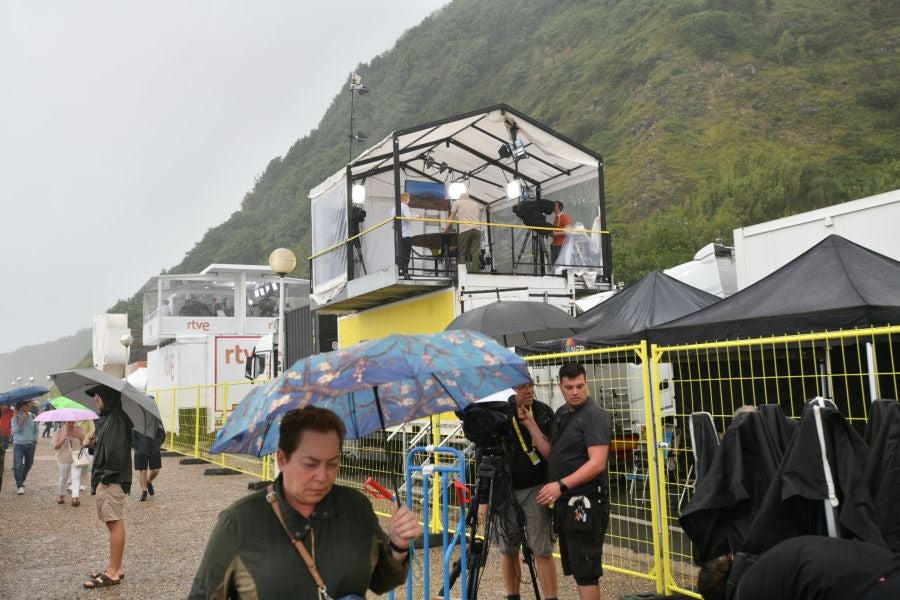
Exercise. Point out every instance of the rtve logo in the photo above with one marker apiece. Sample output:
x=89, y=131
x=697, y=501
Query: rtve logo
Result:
x=237, y=355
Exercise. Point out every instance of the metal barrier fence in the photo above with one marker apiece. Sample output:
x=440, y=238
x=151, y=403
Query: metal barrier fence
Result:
x=193, y=415
x=650, y=392
x=852, y=368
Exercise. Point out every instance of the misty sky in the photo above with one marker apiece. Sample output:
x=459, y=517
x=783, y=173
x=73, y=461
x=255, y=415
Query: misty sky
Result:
x=129, y=128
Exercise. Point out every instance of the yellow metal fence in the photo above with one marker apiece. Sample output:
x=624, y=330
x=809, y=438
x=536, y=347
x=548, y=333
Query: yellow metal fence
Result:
x=650, y=393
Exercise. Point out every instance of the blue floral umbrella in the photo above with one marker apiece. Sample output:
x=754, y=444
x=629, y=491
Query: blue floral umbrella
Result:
x=27, y=392
x=376, y=384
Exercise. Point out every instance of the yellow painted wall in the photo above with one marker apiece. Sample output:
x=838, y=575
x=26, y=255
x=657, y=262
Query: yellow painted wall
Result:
x=423, y=314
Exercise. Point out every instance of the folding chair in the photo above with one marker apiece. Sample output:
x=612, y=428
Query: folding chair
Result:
x=640, y=472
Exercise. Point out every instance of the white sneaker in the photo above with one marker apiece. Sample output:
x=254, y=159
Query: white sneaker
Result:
x=21, y=491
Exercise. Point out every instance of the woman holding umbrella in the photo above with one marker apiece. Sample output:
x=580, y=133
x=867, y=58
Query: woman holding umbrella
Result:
x=255, y=548
x=67, y=439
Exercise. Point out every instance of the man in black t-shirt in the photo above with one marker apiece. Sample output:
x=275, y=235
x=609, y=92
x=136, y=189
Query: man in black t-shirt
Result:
x=528, y=475
x=577, y=452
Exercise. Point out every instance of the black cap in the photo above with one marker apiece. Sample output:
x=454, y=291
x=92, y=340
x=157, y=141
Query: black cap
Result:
x=94, y=390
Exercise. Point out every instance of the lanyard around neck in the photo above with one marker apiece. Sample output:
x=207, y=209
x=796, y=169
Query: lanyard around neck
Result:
x=515, y=421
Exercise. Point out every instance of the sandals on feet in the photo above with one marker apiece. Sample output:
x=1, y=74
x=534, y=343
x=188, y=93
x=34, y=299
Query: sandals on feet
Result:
x=76, y=502
x=97, y=574
x=102, y=580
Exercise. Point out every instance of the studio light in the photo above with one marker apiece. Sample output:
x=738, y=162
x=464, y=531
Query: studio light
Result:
x=515, y=150
x=456, y=189
x=358, y=193
x=514, y=189
x=429, y=161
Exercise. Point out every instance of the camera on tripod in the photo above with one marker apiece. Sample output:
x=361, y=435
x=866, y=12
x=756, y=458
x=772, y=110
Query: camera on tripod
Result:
x=488, y=425
x=357, y=216
x=531, y=212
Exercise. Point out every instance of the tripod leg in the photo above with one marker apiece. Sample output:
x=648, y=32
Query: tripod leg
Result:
x=358, y=250
x=527, y=554
x=521, y=252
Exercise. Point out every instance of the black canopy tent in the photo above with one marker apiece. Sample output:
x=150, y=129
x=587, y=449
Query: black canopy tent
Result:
x=625, y=318
x=836, y=284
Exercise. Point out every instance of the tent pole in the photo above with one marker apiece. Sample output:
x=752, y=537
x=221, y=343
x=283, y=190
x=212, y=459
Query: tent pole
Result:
x=871, y=368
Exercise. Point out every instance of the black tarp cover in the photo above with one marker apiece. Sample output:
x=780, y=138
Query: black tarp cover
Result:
x=794, y=502
x=623, y=319
x=836, y=284
x=729, y=496
x=883, y=468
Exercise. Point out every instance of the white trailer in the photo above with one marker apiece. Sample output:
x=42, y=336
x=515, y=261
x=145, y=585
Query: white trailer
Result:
x=763, y=248
x=197, y=371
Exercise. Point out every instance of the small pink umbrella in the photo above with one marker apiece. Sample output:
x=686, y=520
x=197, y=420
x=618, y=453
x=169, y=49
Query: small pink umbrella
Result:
x=67, y=414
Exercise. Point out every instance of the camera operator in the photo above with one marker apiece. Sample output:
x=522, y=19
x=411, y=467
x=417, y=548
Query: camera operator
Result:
x=577, y=451
x=528, y=475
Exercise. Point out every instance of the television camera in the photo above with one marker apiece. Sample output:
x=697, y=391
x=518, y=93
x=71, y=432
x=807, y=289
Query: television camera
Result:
x=488, y=425
x=357, y=216
x=532, y=212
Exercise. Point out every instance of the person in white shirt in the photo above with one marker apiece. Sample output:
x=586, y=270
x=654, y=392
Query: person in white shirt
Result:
x=405, y=234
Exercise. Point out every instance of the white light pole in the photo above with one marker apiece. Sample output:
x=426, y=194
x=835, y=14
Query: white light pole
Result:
x=356, y=88
x=282, y=261
x=126, y=340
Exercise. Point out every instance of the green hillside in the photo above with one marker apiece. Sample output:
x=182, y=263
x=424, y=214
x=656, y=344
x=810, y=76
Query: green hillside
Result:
x=710, y=114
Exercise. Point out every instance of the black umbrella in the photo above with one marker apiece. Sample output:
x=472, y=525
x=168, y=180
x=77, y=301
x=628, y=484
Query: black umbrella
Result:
x=517, y=323
x=140, y=408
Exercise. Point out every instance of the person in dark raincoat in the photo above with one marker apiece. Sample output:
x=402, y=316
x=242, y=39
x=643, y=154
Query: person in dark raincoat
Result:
x=110, y=479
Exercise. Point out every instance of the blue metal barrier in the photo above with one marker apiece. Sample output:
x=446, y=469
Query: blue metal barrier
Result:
x=454, y=471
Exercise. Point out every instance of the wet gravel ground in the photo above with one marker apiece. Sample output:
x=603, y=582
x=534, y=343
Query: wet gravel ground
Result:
x=48, y=549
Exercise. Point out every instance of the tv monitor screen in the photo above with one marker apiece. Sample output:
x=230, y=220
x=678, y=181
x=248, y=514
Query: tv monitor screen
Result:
x=427, y=195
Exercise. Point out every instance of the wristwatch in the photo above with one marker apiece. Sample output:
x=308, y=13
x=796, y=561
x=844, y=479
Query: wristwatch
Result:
x=563, y=488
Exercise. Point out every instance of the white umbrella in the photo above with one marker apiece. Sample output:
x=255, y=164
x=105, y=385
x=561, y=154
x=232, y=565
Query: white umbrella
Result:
x=141, y=409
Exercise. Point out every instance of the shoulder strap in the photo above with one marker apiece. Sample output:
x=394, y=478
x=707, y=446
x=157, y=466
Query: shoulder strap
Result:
x=272, y=499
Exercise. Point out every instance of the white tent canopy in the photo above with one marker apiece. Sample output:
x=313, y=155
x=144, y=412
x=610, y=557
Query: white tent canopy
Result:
x=485, y=149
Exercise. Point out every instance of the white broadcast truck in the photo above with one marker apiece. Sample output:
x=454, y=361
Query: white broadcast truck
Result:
x=205, y=327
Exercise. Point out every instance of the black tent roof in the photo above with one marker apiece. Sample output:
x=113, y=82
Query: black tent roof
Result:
x=836, y=284
x=654, y=299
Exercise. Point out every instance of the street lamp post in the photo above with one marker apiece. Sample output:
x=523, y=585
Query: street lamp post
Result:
x=126, y=340
x=282, y=261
